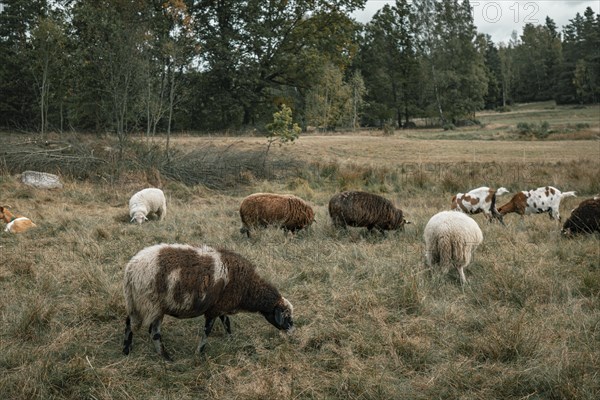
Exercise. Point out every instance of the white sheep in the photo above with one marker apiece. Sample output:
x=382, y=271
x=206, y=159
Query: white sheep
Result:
x=147, y=201
x=450, y=240
x=186, y=282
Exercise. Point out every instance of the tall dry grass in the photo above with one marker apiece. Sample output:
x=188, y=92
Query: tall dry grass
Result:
x=372, y=322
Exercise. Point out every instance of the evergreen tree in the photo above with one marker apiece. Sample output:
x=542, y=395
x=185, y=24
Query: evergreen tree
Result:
x=493, y=63
x=579, y=73
x=17, y=84
x=388, y=53
x=461, y=75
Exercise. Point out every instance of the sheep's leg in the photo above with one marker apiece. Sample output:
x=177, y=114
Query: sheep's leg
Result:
x=463, y=278
x=156, y=338
x=226, y=323
x=208, y=325
x=128, y=342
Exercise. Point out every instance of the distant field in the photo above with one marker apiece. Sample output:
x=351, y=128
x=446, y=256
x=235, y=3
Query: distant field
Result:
x=496, y=140
x=372, y=322
x=395, y=150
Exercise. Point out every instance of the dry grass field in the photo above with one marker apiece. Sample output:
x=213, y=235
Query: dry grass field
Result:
x=372, y=322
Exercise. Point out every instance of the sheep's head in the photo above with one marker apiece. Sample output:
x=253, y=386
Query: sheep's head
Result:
x=397, y=221
x=282, y=316
x=139, y=217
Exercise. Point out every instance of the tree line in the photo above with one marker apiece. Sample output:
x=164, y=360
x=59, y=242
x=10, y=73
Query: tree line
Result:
x=153, y=66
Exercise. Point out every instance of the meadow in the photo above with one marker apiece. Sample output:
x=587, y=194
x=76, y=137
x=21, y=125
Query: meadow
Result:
x=372, y=322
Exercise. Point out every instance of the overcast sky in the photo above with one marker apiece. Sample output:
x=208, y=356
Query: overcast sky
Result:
x=500, y=17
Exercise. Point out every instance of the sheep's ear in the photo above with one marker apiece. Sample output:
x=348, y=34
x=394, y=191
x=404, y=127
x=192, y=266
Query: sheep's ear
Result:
x=278, y=316
x=132, y=219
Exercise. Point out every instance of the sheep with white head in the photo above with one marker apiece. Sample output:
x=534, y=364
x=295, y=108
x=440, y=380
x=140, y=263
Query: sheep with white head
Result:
x=147, y=201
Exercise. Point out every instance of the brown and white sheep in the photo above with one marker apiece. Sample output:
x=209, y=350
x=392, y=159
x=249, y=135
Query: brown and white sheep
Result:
x=478, y=200
x=282, y=210
x=363, y=209
x=450, y=241
x=585, y=218
x=536, y=201
x=186, y=282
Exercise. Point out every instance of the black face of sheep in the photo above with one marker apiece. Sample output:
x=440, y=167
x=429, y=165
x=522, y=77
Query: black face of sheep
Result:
x=362, y=209
x=584, y=219
x=280, y=318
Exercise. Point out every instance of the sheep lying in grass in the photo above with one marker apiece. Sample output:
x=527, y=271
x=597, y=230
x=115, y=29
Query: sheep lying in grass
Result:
x=450, y=240
x=362, y=209
x=283, y=210
x=186, y=282
x=585, y=218
x=147, y=201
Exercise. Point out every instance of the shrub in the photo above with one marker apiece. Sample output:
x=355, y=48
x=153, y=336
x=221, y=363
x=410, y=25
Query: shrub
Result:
x=388, y=129
x=540, y=131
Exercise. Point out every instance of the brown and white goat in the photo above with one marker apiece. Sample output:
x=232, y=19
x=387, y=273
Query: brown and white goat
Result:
x=482, y=199
x=536, y=201
x=15, y=223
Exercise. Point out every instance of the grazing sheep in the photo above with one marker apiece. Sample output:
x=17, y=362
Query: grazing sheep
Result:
x=186, y=282
x=450, y=240
x=15, y=224
x=282, y=210
x=536, y=201
x=584, y=218
x=478, y=200
x=362, y=209
x=147, y=201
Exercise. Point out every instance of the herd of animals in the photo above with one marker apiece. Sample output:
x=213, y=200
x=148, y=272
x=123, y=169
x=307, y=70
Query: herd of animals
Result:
x=185, y=281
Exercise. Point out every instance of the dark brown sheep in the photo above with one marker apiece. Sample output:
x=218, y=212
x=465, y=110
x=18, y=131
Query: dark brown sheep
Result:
x=584, y=218
x=362, y=209
x=286, y=211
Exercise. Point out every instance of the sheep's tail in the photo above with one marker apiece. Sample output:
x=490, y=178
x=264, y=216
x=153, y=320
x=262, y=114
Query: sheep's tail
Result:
x=568, y=194
x=132, y=313
x=445, y=250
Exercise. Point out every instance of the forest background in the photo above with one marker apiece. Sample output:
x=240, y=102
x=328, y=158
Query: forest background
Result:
x=152, y=67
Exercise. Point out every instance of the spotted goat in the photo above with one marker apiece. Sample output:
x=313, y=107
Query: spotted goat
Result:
x=480, y=200
x=536, y=201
